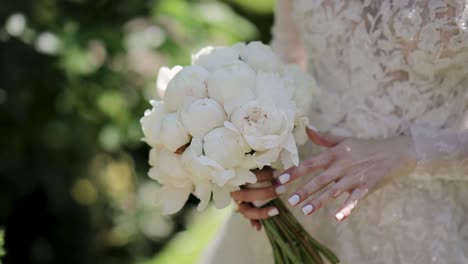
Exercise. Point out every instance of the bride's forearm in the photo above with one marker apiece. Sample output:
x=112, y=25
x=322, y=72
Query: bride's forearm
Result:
x=287, y=41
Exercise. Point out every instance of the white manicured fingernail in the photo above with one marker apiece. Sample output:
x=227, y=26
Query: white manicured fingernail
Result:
x=307, y=209
x=312, y=128
x=339, y=216
x=280, y=189
x=273, y=212
x=284, y=178
x=293, y=200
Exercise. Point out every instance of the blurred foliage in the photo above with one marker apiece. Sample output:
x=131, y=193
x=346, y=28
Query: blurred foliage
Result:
x=2, y=243
x=187, y=246
x=76, y=77
x=262, y=6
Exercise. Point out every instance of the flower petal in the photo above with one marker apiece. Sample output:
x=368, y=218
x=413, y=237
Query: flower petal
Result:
x=222, y=177
x=165, y=75
x=249, y=162
x=221, y=197
x=173, y=135
x=291, y=156
x=243, y=176
x=190, y=81
x=202, y=192
x=204, y=160
x=151, y=122
x=265, y=158
x=299, y=131
x=213, y=58
x=173, y=199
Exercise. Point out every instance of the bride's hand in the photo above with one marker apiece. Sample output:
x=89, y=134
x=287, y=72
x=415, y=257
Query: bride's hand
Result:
x=350, y=165
x=246, y=196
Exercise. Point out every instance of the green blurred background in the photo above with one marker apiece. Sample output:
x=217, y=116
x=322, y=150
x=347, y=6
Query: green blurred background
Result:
x=76, y=76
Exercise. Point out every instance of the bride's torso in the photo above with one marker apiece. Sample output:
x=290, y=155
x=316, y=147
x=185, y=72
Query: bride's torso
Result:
x=386, y=65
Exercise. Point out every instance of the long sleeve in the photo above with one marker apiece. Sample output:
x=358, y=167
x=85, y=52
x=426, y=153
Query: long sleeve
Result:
x=441, y=139
x=286, y=37
x=441, y=153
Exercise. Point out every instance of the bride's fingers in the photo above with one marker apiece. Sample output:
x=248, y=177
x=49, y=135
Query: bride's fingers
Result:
x=260, y=194
x=327, y=196
x=319, y=162
x=351, y=203
x=316, y=184
x=264, y=175
x=324, y=140
x=256, y=224
x=255, y=213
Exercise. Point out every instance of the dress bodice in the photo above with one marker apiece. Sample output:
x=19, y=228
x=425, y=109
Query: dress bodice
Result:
x=386, y=68
x=386, y=65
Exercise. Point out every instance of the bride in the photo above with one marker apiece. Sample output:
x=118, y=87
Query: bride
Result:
x=389, y=183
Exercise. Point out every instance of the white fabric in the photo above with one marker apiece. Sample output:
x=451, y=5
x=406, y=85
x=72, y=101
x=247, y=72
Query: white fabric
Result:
x=386, y=68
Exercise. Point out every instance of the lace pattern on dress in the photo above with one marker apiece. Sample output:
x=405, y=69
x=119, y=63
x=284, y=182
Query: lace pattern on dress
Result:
x=390, y=67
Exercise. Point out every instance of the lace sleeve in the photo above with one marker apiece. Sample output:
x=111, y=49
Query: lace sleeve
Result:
x=442, y=147
x=286, y=38
x=441, y=153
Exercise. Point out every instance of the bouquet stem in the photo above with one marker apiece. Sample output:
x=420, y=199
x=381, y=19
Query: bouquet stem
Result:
x=291, y=243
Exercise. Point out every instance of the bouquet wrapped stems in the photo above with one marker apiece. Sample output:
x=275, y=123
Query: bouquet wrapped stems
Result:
x=291, y=243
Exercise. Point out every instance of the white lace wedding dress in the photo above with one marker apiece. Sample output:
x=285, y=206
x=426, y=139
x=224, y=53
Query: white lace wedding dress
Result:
x=386, y=68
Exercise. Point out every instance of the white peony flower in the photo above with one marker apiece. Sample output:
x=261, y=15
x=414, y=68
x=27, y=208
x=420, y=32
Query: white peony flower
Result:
x=221, y=197
x=176, y=181
x=212, y=58
x=210, y=177
x=165, y=75
x=267, y=129
x=225, y=147
x=232, y=85
x=151, y=123
x=261, y=57
x=303, y=87
x=289, y=154
x=189, y=82
x=270, y=86
x=262, y=124
x=239, y=47
x=299, y=131
x=200, y=174
x=205, y=169
x=266, y=157
x=201, y=116
x=168, y=168
x=173, y=135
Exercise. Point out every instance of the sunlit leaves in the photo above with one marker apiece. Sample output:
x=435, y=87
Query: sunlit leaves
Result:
x=76, y=77
x=214, y=22
x=259, y=6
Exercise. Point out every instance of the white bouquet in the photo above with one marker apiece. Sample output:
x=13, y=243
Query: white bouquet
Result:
x=233, y=110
